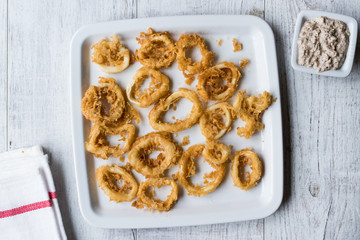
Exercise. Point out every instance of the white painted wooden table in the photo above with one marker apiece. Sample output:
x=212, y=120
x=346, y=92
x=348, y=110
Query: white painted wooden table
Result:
x=321, y=115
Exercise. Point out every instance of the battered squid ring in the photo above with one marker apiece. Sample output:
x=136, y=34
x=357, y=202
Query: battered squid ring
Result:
x=187, y=169
x=216, y=152
x=107, y=176
x=209, y=85
x=94, y=110
x=211, y=122
x=159, y=87
x=243, y=179
x=186, y=65
x=250, y=109
x=164, y=104
x=111, y=57
x=151, y=203
x=144, y=145
x=157, y=49
x=98, y=144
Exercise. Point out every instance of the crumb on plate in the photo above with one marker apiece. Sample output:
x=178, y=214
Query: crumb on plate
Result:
x=237, y=45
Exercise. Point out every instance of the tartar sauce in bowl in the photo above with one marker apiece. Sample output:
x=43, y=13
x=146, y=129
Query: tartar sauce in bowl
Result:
x=323, y=43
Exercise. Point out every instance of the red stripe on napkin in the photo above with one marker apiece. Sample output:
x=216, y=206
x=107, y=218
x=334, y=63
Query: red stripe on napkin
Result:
x=52, y=195
x=28, y=207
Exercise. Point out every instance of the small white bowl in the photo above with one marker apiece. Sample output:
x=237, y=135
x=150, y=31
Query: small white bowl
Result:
x=353, y=28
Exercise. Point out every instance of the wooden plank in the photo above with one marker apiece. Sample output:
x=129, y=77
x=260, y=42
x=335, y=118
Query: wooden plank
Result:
x=3, y=75
x=321, y=117
x=241, y=230
x=39, y=113
x=321, y=128
x=149, y=8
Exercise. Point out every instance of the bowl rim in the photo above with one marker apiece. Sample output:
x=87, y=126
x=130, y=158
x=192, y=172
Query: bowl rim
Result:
x=349, y=60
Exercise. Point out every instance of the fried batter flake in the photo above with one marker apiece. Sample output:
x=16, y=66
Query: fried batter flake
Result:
x=244, y=63
x=250, y=109
x=237, y=46
x=185, y=141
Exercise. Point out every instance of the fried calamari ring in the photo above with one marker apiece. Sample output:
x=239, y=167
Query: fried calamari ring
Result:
x=211, y=122
x=186, y=65
x=242, y=178
x=144, y=200
x=111, y=56
x=99, y=146
x=94, y=109
x=250, y=110
x=143, y=146
x=164, y=104
x=218, y=83
x=216, y=152
x=158, y=87
x=187, y=169
x=108, y=177
x=157, y=49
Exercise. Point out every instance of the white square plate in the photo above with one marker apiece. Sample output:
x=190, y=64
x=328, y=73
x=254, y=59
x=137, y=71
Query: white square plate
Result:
x=227, y=203
x=353, y=28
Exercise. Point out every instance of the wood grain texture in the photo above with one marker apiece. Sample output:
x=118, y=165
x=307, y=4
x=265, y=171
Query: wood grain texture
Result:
x=39, y=39
x=321, y=127
x=3, y=75
x=241, y=230
x=321, y=116
x=150, y=8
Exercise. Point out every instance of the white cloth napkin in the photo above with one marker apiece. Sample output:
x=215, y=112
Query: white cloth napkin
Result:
x=28, y=205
